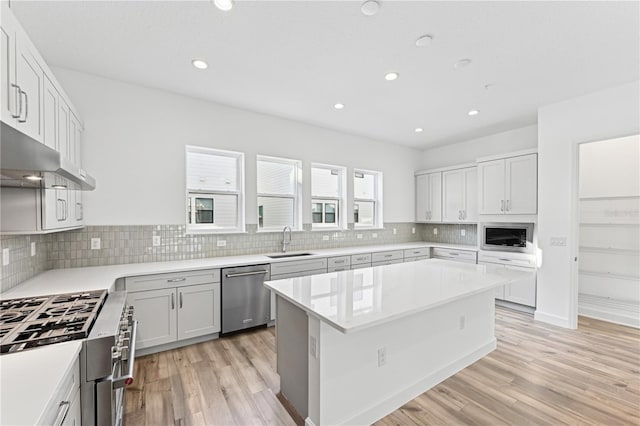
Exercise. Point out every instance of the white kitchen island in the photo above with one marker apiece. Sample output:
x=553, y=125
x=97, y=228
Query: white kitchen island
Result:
x=353, y=346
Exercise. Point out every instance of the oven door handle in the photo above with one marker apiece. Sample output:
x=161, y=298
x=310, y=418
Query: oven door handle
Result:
x=127, y=379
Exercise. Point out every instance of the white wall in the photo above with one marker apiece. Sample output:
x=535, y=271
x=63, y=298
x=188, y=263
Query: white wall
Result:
x=605, y=114
x=468, y=151
x=134, y=146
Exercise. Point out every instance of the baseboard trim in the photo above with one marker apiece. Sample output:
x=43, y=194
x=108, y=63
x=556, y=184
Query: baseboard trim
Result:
x=400, y=398
x=174, y=345
x=551, y=319
x=610, y=310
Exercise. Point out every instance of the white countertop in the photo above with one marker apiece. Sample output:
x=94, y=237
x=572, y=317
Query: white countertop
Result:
x=70, y=280
x=31, y=378
x=357, y=299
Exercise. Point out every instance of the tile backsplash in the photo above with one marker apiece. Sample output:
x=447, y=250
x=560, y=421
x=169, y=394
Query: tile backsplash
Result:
x=450, y=233
x=134, y=244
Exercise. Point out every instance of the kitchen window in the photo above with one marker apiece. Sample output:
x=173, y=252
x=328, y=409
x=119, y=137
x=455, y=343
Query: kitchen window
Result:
x=215, y=190
x=327, y=196
x=367, y=199
x=279, y=193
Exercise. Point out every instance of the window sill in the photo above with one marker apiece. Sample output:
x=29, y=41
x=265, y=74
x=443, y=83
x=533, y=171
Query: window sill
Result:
x=329, y=229
x=368, y=228
x=215, y=231
x=276, y=231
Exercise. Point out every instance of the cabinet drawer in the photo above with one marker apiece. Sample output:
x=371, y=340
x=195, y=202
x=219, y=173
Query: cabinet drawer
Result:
x=361, y=265
x=338, y=268
x=452, y=254
x=414, y=259
x=174, y=279
x=387, y=262
x=507, y=259
x=65, y=394
x=341, y=261
x=297, y=274
x=423, y=251
x=298, y=266
x=386, y=256
x=357, y=259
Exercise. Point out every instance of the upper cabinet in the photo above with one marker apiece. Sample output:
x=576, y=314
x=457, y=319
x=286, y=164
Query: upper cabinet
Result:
x=429, y=197
x=460, y=195
x=509, y=185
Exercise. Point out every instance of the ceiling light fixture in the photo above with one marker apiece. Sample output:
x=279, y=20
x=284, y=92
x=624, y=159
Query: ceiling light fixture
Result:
x=390, y=76
x=473, y=112
x=424, y=40
x=419, y=129
x=338, y=106
x=224, y=5
x=32, y=177
x=59, y=186
x=462, y=63
x=370, y=7
x=200, y=64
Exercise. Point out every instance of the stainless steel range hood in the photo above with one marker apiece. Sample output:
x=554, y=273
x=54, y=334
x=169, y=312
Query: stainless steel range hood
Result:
x=27, y=163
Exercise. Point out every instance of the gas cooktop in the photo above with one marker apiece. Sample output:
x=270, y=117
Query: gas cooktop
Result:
x=33, y=322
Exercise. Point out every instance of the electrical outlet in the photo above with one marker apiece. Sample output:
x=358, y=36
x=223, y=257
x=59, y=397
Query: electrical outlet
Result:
x=33, y=249
x=558, y=241
x=222, y=243
x=463, y=232
x=5, y=257
x=395, y=231
x=325, y=238
x=374, y=235
x=313, y=346
x=156, y=240
x=462, y=322
x=95, y=244
x=359, y=236
x=382, y=356
x=435, y=231
x=413, y=230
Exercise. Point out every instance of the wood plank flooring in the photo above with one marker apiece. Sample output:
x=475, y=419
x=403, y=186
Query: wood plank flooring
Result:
x=538, y=375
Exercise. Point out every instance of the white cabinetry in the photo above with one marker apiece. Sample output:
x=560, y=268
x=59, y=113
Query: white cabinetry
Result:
x=175, y=307
x=509, y=185
x=293, y=269
x=8, y=89
x=460, y=195
x=429, y=197
x=522, y=292
x=466, y=256
x=64, y=406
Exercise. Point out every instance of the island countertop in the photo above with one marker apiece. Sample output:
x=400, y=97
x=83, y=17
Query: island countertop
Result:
x=357, y=299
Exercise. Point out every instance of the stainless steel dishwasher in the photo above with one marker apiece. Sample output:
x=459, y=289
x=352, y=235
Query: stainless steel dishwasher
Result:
x=246, y=302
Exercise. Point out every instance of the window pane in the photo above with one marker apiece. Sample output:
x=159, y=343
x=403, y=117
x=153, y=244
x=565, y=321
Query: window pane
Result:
x=316, y=212
x=211, y=172
x=329, y=213
x=324, y=184
x=365, y=186
x=276, y=178
x=355, y=214
x=365, y=211
x=204, y=210
x=219, y=210
x=275, y=212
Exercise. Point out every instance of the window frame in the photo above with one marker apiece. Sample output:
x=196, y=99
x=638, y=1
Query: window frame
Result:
x=376, y=200
x=192, y=193
x=296, y=196
x=340, y=200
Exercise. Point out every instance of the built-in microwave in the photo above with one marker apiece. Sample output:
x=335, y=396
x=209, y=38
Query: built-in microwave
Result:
x=515, y=237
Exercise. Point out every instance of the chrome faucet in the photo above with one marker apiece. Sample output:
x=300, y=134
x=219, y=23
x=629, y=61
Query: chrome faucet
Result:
x=284, y=238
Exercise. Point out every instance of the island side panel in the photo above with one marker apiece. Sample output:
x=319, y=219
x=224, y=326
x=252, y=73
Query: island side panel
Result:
x=347, y=386
x=292, y=354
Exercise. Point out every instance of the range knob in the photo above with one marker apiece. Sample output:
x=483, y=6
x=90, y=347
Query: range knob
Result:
x=116, y=353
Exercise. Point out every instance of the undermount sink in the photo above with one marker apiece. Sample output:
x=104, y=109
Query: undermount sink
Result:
x=281, y=256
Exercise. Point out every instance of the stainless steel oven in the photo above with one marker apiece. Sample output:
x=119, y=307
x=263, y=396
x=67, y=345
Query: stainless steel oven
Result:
x=514, y=237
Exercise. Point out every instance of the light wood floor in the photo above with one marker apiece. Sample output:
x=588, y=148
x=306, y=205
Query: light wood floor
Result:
x=539, y=374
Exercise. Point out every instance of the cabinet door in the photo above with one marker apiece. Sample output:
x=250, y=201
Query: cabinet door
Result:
x=435, y=197
x=55, y=209
x=198, y=310
x=521, y=185
x=422, y=192
x=63, y=127
x=491, y=186
x=524, y=291
x=470, y=211
x=8, y=106
x=29, y=76
x=74, y=414
x=74, y=143
x=453, y=196
x=50, y=115
x=156, y=314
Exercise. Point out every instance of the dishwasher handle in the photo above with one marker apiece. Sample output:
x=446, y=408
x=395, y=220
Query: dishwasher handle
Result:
x=245, y=274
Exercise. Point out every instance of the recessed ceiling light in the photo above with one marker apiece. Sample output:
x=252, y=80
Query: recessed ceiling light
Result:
x=473, y=112
x=419, y=129
x=424, y=40
x=32, y=177
x=390, y=76
x=338, y=106
x=200, y=64
x=462, y=63
x=370, y=7
x=224, y=5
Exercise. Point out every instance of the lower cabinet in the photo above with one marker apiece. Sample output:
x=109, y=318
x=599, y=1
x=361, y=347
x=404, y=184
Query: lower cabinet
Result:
x=522, y=292
x=466, y=256
x=74, y=415
x=182, y=310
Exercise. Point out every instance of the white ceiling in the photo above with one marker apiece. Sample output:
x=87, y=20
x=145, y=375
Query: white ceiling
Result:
x=296, y=59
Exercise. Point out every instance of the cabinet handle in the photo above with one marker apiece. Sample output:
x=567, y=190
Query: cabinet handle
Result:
x=26, y=107
x=388, y=255
x=173, y=301
x=508, y=205
x=63, y=409
x=454, y=254
x=464, y=214
x=180, y=300
x=18, y=101
x=176, y=280
x=338, y=261
x=505, y=260
x=60, y=216
x=501, y=205
x=66, y=209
